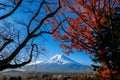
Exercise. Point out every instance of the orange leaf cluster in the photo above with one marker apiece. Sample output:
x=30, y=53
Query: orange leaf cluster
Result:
x=91, y=25
x=90, y=15
x=107, y=72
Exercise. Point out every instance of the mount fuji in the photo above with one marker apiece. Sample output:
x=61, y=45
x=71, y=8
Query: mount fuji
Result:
x=58, y=63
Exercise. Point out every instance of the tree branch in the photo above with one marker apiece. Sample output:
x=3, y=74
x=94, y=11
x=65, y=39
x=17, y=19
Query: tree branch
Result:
x=8, y=65
x=47, y=16
x=11, y=57
x=5, y=44
x=35, y=15
x=11, y=12
x=47, y=32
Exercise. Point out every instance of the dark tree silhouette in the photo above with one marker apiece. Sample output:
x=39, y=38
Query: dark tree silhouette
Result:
x=93, y=26
x=21, y=23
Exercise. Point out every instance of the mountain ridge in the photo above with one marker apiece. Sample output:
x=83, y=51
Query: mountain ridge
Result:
x=59, y=63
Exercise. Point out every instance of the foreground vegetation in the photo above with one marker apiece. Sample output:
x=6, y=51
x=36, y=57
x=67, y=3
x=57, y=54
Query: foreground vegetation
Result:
x=47, y=76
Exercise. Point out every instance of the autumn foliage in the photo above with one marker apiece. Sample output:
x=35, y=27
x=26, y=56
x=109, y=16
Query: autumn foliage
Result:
x=92, y=26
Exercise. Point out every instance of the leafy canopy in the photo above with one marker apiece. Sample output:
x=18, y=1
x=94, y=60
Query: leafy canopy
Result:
x=93, y=26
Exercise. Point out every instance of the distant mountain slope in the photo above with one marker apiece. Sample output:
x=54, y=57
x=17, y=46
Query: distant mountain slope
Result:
x=58, y=63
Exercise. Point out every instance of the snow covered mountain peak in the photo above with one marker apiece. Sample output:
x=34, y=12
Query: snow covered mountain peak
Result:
x=59, y=63
x=58, y=56
x=60, y=59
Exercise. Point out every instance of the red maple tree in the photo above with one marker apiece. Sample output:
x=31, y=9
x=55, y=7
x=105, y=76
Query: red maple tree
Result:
x=93, y=26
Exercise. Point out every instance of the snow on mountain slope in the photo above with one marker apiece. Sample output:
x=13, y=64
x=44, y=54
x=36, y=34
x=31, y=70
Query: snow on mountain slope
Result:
x=59, y=63
x=60, y=59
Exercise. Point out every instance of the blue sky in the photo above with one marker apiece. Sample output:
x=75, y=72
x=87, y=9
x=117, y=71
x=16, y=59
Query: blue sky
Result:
x=52, y=47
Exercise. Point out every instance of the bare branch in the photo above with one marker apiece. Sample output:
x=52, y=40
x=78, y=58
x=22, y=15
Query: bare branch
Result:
x=18, y=43
x=5, y=44
x=8, y=65
x=11, y=12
